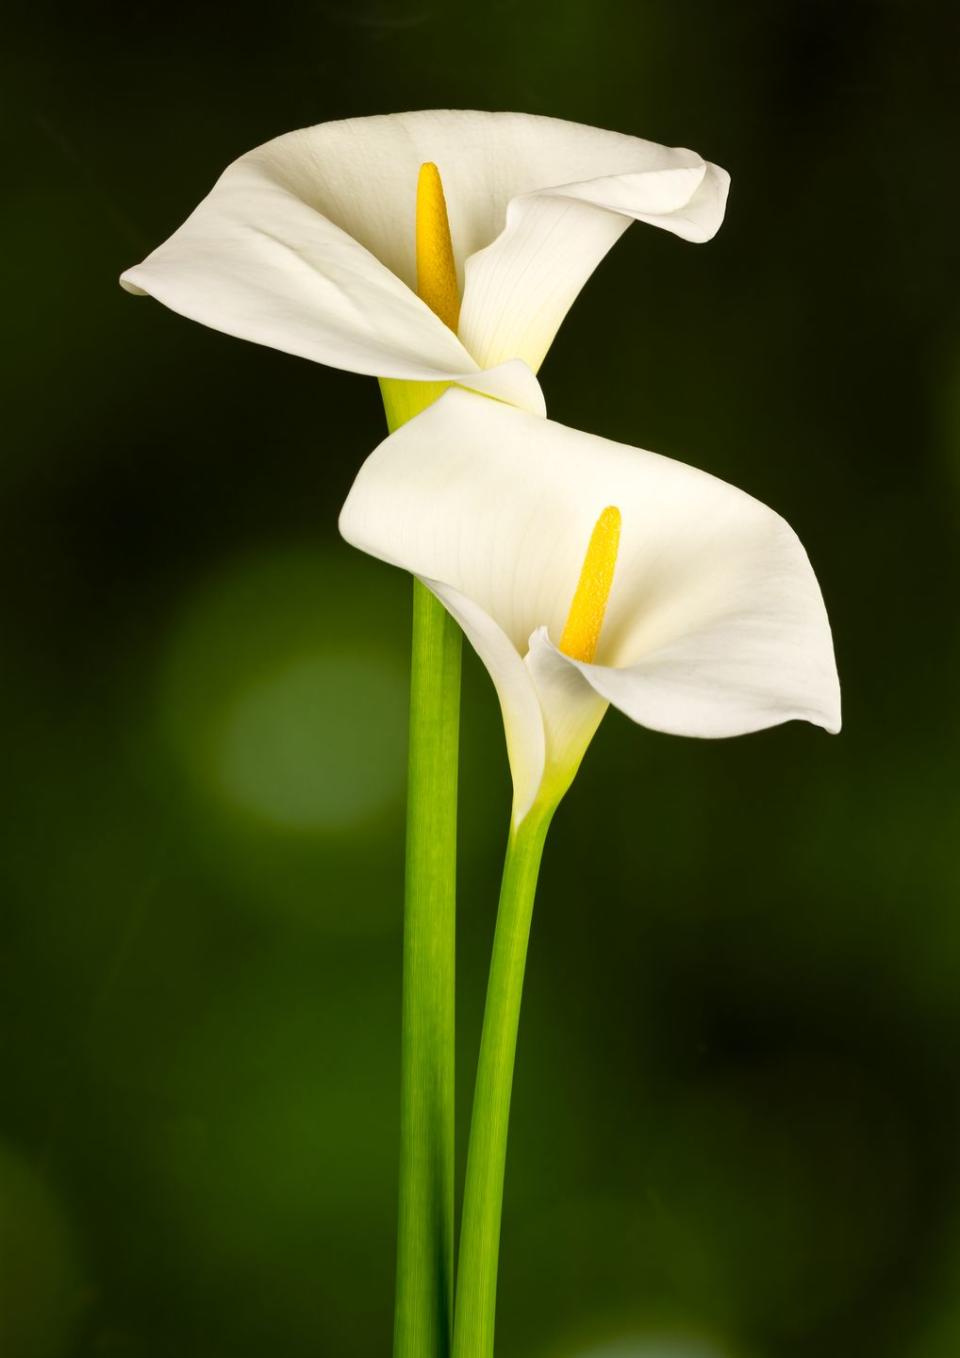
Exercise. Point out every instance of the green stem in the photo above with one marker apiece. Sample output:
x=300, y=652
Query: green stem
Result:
x=425, y=1240
x=487, y=1151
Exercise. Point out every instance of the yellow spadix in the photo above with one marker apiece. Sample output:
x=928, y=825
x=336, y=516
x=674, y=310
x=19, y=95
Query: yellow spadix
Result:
x=585, y=619
x=436, y=268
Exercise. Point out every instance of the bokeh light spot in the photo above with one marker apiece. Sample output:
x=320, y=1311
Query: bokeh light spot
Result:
x=270, y=719
x=281, y=723
x=317, y=744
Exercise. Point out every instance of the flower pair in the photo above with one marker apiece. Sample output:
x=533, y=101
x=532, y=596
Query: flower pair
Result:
x=583, y=572
x=441, y=251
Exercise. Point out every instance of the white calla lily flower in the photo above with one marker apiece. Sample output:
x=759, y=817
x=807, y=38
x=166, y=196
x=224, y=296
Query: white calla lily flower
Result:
x=308, y=243
x=586, y=572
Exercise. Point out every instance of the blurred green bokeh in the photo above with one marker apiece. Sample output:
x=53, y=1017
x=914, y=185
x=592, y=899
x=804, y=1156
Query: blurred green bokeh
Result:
x=735, y=1130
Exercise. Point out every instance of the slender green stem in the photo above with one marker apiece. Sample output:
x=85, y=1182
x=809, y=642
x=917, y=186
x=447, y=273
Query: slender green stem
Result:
x=487, y=1150
x=425, y=1238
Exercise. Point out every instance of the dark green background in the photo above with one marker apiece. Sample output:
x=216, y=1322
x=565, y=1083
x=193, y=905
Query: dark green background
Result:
x=736, y=1121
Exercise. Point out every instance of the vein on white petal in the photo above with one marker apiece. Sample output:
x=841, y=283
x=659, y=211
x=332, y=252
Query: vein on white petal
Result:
x=256, y=261
x=520, y=287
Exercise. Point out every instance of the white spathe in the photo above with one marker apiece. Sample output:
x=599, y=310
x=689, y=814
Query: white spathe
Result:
x=307, y=243
x=715, y=624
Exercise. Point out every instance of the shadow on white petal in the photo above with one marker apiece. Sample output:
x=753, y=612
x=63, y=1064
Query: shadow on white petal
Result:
x=519, y=704
x=572, y=709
